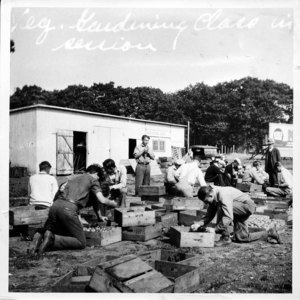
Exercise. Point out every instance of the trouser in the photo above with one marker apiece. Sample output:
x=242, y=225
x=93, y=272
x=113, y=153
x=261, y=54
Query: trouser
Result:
x=119, y=195
x=272, y=179
x=142, y=176
x=185, y=188
x=242, y=210
x=64, y=223
x=277, y=192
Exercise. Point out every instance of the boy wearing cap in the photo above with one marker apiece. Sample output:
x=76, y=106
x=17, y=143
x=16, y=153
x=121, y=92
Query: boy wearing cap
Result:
x=233, y=170
x=272, y=157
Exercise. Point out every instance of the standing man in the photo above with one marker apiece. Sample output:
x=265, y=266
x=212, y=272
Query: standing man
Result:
x=272, y=157
x=143, y=155
x=232, y=208
x=42, y=187
x=117, y=180
x=63, y=227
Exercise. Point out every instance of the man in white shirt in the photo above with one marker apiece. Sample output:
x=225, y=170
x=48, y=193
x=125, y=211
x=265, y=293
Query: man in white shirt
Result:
x=42, y=187
x=116, y=176
x=187, y=175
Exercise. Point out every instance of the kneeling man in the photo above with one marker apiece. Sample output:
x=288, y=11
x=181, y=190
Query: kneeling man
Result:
x=63, y=229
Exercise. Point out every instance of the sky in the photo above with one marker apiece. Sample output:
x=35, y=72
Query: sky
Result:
x=165, y=48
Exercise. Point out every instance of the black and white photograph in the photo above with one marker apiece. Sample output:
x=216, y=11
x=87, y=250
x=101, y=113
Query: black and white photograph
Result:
x=149, y=148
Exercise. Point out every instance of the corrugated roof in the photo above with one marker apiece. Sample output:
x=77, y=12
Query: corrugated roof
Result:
x=36, y=106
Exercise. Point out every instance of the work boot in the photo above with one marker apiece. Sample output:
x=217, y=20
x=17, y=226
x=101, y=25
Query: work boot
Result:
x=36, y=242
x=224, y=241
x=272, y=233
x=48, y=242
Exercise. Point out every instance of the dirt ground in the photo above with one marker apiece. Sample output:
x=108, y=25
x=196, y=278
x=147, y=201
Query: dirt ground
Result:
x=257, y=267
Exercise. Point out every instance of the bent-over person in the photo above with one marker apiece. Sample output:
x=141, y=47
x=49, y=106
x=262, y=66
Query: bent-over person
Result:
x=232, y=208
x=116, y=177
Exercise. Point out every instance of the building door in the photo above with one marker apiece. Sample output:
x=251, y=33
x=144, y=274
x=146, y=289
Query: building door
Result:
x=64, y=152
x=131, y=146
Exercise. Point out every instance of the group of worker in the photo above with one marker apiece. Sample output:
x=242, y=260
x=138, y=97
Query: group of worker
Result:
x=104, y=187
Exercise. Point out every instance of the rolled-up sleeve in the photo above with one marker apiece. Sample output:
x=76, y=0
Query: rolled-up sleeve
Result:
x=123, y=178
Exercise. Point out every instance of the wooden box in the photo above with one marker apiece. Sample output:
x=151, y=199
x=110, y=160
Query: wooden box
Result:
x=183, y=204
x=18, y=201
x=132, y=199
x=186, y=278
x=182, y=237
x=134, y=216
x=188, y=217
x=167, y=220
x=152, y=190
x=129, y=275
x=249, y=187
x=142, y=233
x=26, y=215
x=108, y=235
x=165, y=255
x=75, y=281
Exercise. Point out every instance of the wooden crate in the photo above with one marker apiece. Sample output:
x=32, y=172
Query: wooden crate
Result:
x=188, y=217
x=18, y=201
x=186, y=278
x=76, y=281
x=108, y=235
x=177, y=204
x=167, y=220
x=142, y=233
x=26, y=215
x=134, y=216
x=132, y=199
x=152, y=190
x=129, y=274
x=182, y=237
x=165, y=255
x=249, y=187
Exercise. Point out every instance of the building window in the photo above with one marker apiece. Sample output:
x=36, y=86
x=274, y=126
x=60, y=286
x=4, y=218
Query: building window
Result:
x=159, y=145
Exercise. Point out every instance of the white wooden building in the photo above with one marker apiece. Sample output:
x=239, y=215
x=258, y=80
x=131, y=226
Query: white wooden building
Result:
x=71, y=138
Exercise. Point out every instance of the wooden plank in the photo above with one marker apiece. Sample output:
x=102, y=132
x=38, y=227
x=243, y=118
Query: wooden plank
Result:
x=117, y=261
x=129, y=269
x=186, y=278
x=80, y=279
x=168, y=220
x=102, y=282
x=183, y=204
x=151, y=282
x=107, y=236
x=26, y=215
x=135, y=216
x=249, y=187
x=182, y=237
x=152, y=190
x=142, y=233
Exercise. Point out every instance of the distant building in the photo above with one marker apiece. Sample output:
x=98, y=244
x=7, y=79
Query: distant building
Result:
x=71, y=139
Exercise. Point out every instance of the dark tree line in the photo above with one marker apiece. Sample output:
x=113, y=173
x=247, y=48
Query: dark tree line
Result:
x=230, y=113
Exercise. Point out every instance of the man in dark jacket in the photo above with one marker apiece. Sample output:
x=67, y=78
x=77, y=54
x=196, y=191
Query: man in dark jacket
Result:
x=272, y=157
